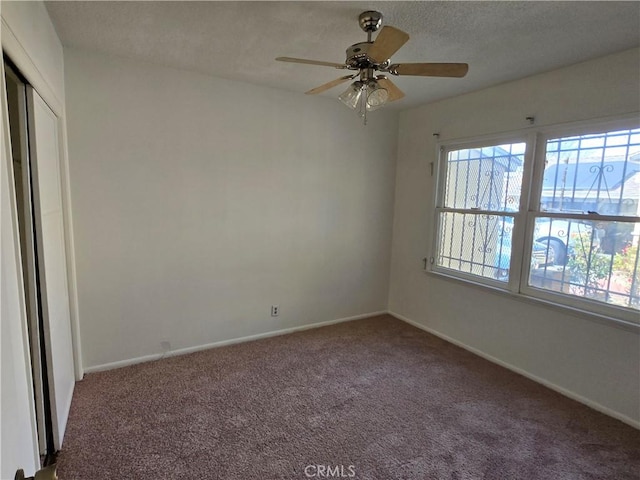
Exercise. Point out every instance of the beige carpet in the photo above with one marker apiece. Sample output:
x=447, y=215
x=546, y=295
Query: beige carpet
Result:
x=376, y=398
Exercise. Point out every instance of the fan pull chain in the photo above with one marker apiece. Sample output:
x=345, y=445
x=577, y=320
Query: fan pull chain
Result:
x=363, y=104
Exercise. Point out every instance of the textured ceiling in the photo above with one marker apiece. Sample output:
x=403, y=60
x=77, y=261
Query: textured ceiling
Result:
x=500, y=41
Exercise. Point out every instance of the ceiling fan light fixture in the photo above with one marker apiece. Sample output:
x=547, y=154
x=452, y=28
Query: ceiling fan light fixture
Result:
x=352, y=94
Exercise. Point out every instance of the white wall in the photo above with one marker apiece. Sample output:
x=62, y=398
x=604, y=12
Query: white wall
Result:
x=30, y=39
x=597, y=362
x=200, y=202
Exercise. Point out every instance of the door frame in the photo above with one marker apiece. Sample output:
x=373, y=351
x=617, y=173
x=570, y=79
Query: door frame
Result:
x=37, y=348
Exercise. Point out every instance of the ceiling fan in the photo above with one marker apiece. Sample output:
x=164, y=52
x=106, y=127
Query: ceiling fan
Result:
x=371, y=91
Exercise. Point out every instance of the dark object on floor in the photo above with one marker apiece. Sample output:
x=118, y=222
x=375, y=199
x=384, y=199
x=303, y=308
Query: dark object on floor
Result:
x=46, y=473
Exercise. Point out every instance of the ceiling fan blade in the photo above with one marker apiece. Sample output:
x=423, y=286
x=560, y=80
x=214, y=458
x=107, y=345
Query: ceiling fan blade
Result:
x=330, y=84
x=394, y=92
x=311, y=62
x=430, y=69
x=388, y=42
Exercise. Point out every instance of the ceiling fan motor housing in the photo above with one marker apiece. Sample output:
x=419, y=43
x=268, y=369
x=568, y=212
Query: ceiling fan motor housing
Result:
x=358, y=57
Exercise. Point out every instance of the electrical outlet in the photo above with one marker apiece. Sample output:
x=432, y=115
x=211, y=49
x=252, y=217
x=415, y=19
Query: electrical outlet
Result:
x=275, y=310
x=166, y=346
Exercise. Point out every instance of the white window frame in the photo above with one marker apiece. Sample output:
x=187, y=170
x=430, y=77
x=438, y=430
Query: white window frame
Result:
x=488, y=141
x=524, y=220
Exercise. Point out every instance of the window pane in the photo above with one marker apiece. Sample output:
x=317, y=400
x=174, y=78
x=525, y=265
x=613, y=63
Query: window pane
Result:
x=487, y=178
x=476, y=244
x=593, y=173
x=595, y=260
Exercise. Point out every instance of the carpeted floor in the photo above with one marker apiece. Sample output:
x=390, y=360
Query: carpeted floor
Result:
x=377, y=397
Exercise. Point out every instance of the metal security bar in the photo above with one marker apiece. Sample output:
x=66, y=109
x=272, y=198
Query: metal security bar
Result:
x=476, y=217
x=591, y=191
x=593, y=173
x=478, y=244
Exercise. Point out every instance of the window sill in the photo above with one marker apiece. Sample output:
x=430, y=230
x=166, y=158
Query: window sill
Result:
x=531, y=300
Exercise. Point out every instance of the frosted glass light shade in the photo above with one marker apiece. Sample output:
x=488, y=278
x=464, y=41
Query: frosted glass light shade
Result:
x=376, y=96
x=351, y=95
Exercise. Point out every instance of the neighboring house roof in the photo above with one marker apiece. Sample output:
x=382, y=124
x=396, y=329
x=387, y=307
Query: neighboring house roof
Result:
x=590, y=176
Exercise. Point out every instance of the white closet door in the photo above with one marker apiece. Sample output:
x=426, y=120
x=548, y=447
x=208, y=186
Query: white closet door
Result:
x=50, y=244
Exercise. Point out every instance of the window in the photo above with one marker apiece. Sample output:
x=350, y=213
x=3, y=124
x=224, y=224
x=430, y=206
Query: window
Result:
x=562, y=227
x=481, y=195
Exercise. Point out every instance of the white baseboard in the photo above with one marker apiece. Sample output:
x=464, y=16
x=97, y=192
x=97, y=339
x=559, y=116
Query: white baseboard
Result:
x=223, y=343
x=524, y=373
